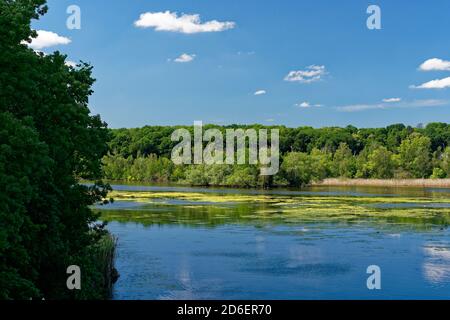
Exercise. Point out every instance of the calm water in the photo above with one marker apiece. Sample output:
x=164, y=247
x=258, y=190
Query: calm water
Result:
x=181, y=250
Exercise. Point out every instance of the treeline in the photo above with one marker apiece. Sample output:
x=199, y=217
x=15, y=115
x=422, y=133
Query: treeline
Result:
x=306, y=154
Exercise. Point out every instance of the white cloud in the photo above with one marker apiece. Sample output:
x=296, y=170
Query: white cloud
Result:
x=306, y=104
x=361, y=107
x=434, y=84
x=437, y=272
x=391, y=100
x=185, y=58
x=436, y=267
x=70, y=63
x=310, y=74
x=248, y=53
x=185, y=23
x=47, y=39
x=435, y=64
x=409, y=104
x=441, y=253
x=260, y=92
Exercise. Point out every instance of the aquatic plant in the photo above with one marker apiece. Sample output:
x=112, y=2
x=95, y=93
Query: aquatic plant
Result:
x=180, y=207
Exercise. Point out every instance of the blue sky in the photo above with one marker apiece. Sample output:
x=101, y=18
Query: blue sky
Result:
x=340, y=71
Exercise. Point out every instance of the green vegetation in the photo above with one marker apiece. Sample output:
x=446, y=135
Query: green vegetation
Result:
x=307, y=154
x=48, y=140
x=194, y=208
x=104, y=257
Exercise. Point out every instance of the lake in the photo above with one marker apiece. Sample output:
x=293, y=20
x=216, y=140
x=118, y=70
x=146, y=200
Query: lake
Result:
x=317, y=243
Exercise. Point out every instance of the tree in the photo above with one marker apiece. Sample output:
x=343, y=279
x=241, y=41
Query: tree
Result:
x=381, y=164
x=196, y=175
x=320, y=164
x=439, y=134
x=414, y=154
x=243, y=176
x=24, y=163
x=116, y=167
x=343, y=162
x=438, y=173
x=446, y=161
x=297, y=168
x=45, y=116
x=395, y=134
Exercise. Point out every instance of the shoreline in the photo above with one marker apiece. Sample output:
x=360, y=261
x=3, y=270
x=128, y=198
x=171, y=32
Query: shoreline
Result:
x=441, y=183
x=329, y=182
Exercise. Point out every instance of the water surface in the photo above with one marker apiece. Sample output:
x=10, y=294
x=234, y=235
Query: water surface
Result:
x=195, y=248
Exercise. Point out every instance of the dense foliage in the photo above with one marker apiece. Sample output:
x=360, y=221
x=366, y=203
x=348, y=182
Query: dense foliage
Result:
x=307, y=154
x=48, y=140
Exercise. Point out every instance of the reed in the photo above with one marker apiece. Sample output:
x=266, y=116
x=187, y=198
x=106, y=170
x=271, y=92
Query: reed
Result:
x=106, y=248
x=441, y=183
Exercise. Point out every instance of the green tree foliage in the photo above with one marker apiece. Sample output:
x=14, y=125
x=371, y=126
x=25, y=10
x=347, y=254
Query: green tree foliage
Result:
x=439, y=135
x=116, y=167
x=321, y=161
x=151, y=168
x=396, y=151
x=395, y=134
x=343, y=164
x=197, y=175
x=243, y=176
x=446, y=161
x=381, y=164
x=438, y=173
x=297, y=168
x=48, y=140
x=24, y=164
x=414, y=155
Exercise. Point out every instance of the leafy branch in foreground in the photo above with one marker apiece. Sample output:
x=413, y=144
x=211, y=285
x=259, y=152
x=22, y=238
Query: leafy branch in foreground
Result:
x=48, y=140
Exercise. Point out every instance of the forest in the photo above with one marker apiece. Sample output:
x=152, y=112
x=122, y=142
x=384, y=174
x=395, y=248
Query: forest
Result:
x=306, y=154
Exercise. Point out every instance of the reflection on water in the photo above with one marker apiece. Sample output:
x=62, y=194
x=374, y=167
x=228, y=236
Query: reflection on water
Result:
x=437, y=264
x=182, y=250
x=316, y=190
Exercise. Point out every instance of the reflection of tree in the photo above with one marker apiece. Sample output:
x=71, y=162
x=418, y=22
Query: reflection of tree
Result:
x=261, y=215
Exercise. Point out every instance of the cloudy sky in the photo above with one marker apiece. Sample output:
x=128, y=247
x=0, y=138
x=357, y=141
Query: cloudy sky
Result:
x=272, y=62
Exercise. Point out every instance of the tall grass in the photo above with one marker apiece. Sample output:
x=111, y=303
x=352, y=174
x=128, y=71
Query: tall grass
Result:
x=105, y=257
x=442, y=183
